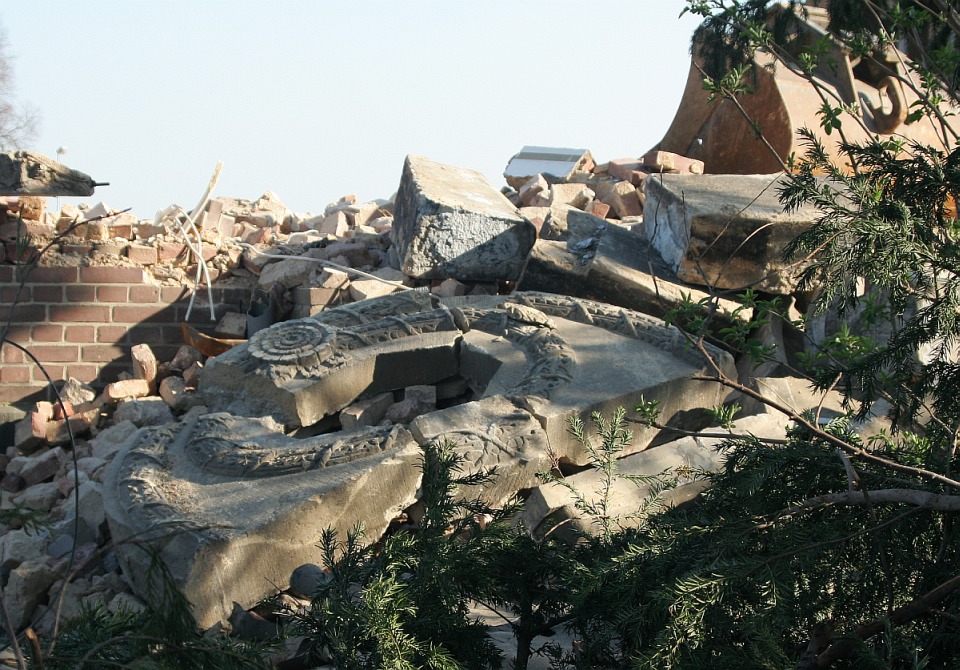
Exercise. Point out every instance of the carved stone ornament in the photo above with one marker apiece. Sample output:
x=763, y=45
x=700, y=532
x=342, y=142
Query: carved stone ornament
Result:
x=234, y=504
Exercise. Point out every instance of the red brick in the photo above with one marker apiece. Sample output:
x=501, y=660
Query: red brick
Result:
x=54, y=370
x=15, y=374
x=81, y=313
x=20, y=256
x=19, y=333
x=83, y=373
x=167, y=251
x=22, y=392
x=142, y=254
x=112, y=275
x=10, y=293
x=81, y=293
x=173, y=293
x=121, y=230
x=111, y=334
x=48, y=293
x=144, y=293
x=111, y=293
x=156, y=335
x=101, y=353
x=79, y=334
x=6, y=274
x=153, y=314
x=13, y=355
x=53, y=275
x=47, y=333
x=61, y=353
x=111, y=372
x=32, y=313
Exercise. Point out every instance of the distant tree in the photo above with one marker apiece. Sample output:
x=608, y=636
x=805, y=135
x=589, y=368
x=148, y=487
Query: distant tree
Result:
x=18, y=123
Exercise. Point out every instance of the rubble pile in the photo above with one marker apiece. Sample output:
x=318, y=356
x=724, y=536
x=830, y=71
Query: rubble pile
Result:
x=402, y=322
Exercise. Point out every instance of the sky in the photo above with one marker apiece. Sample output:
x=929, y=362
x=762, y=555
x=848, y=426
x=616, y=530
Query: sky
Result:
x=316, y=99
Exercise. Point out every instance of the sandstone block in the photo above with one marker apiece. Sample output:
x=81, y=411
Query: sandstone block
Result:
x=126, y=389
x=664, y=161
x=362, y=289
x=450, y=222
x=335, y=223
x=417, y=400
x=232, y=325
x=144, y=364
x=367, y=412
x=27, y=584
x=573, y=195
x=624, y=200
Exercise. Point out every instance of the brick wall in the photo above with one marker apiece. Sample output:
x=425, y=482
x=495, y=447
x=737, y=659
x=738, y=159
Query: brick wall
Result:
x=81, y=323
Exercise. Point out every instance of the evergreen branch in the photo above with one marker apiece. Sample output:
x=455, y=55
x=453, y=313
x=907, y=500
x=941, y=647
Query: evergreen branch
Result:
x=938, y=502
x=817, y=432
x=902, y=615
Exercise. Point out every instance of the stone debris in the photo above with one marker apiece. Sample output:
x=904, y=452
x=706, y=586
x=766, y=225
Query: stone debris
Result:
x=319, y=420
x=26, y=173
x=557, y=162
x=450, y=222
x=727, y=231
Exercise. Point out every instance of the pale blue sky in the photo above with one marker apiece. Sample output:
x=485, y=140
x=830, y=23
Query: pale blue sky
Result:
x=316, y=99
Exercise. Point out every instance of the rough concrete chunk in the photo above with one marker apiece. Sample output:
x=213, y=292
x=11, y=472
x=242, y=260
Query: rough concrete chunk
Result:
x=450, y=222
x=29, y=173
x=727, y=231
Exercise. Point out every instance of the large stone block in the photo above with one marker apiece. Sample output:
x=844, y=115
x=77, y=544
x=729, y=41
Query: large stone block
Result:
x=727, y=231
x=298, y=372
x=604, y=261
x=234, y=504
x=233, y=507
x=450, y=222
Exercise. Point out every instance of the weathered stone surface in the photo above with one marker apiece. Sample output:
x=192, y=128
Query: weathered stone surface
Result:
x=492, y=432
x=565, y=370
x=239, y=506
x=554, y=506
x=605, y=262
x=144, y=412
x=727, y=231
x=532, y=361
x=30, y=173
x=367, y=412
x=300, y=371
x=450, y=222
x=26, y=584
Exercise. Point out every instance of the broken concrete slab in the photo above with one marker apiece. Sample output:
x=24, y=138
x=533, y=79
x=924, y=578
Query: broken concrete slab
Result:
x=726, y=231
x=450, y=222
x=558, y=162
x=30, y=173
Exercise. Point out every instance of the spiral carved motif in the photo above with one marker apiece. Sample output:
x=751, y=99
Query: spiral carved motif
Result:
x=304, y=343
